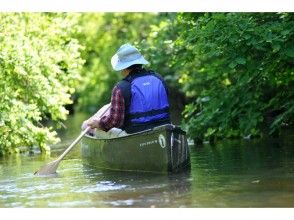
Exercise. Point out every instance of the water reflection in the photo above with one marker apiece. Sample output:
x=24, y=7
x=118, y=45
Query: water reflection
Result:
x=246, y=173
x=79, y=185
x=256, y=173
x=125, y=189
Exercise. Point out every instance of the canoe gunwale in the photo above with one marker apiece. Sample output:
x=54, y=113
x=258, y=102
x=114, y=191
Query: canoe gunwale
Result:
x=168, y=127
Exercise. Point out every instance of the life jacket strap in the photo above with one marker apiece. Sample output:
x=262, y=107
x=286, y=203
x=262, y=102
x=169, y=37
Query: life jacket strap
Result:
x=149, y=113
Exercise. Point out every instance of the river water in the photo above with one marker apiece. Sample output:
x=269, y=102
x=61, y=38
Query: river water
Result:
x=242, y=173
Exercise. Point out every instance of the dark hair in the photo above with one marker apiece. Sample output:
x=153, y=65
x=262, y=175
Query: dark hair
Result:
x=135, y=67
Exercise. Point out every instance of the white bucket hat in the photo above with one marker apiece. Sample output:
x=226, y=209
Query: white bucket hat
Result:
x=126, y=56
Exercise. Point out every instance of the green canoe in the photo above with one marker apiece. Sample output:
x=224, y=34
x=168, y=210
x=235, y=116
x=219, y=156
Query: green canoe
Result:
x=162, y=149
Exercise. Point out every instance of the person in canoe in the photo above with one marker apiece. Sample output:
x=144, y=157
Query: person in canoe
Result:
x=138, y=102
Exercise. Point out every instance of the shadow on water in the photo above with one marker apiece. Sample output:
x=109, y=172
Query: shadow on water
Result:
x=132, y=189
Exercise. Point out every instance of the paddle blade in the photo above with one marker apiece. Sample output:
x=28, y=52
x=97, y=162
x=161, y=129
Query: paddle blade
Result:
x=48, y=169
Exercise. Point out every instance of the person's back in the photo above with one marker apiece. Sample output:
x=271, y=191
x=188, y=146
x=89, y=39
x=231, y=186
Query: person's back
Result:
x=139, y=101
x=146, y=100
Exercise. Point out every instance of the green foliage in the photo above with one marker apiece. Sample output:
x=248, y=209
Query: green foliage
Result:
x=236, y=69
x=238, y=72
x=39, y=69
x=159, y=47
x=102, y=34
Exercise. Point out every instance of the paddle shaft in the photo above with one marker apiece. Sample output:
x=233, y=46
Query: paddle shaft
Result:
x=51, y=167
x=78, y=138
x=73, y=143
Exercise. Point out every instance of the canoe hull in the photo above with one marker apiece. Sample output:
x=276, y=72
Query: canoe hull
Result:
x=163, y=149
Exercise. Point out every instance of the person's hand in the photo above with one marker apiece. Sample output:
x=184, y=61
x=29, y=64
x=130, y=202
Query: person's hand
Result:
x=90, y=131
x=84, y=125
x=93, y=123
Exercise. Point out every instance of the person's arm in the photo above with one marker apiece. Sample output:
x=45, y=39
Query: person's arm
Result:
x=117, y=112
x=115, y=118
x=96, y=116
x=100, y=112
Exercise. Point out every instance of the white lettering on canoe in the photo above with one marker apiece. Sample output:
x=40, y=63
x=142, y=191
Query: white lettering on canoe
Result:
x=161, y=141
x=148, y=143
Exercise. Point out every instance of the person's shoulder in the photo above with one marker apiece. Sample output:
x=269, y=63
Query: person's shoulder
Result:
x=125, y=88
x=122, y=84
x=156, y=74
x=152, y=72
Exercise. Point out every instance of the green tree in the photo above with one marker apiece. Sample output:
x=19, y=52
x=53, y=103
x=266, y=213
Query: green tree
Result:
x=39, y=69
x=238, y=72
x=102, y=34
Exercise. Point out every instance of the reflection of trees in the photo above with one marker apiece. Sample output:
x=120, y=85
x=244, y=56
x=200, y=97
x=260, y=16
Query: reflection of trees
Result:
x=241, y=156
x=242, y=173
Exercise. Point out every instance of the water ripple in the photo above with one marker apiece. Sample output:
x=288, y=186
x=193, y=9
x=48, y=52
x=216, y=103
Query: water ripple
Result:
x=101, y=186
x=128, y=202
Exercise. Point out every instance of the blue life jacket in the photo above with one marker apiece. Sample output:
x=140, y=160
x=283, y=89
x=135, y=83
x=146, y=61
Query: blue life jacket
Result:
x=146, y=101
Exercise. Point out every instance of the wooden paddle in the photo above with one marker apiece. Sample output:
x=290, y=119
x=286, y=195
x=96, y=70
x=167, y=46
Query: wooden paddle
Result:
x=51, y=167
